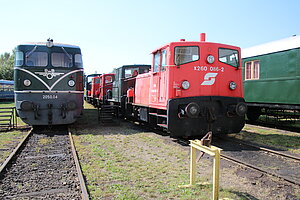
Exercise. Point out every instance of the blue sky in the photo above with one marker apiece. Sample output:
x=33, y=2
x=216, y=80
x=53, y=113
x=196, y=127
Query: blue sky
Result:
x=112, y=33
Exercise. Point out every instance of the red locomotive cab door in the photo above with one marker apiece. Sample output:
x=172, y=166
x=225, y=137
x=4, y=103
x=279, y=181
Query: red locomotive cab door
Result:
x=163, y=78
x=159, y=89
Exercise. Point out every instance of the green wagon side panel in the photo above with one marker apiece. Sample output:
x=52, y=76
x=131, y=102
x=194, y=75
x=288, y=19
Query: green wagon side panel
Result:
x=279, y=80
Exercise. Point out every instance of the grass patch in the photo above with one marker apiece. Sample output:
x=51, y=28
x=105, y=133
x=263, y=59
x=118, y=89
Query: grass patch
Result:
x=123, y=162
x=8, y=141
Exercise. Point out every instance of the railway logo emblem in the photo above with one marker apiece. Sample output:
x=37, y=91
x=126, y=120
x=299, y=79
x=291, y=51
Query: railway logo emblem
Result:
x=49, y=74
x=209, y=79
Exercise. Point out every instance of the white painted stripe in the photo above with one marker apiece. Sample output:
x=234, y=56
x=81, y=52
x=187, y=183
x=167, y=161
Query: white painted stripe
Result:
x=38, y=78
x=35, y=76
x=71, y=72
x=46, y=91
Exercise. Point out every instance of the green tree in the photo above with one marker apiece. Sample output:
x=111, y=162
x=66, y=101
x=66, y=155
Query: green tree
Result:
x=7, y=66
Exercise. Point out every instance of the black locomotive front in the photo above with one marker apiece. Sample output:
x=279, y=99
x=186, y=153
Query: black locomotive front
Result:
x=48, y=83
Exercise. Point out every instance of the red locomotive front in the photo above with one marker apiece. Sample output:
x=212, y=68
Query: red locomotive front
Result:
x=194, y=87
x=105, y=87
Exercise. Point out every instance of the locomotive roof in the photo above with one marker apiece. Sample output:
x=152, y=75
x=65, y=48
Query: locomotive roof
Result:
x=54, y=44
x=271, y=47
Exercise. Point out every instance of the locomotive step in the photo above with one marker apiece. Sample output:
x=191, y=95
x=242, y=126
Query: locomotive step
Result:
x=158, y=115
x=163, y=125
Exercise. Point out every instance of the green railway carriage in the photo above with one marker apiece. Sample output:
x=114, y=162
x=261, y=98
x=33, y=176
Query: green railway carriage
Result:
x=48, y=83
x=271, y=74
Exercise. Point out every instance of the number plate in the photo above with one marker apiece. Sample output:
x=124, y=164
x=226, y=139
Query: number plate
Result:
x=50, y=96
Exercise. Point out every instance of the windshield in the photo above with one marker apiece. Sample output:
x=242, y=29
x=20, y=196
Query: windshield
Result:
x=61, y=60
x=229, y=56
x=36, y=59
x=186, y=54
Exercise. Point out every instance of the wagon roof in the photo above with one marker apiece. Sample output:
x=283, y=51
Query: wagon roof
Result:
x=271, y=47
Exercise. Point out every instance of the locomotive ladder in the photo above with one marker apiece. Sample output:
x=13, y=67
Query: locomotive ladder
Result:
x=108, y=114
x=7, y=118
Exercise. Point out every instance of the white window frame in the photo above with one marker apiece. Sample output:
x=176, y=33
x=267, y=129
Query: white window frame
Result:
x=252, y=70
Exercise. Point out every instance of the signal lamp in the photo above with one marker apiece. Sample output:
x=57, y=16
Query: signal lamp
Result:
x=185, y=85
x=210, y=59
x=71, y=83
x=232, y=85
x=27, y=82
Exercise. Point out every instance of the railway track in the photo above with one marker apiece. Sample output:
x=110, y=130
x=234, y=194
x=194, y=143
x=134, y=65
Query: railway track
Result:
x=265, y=160
x=45, y=166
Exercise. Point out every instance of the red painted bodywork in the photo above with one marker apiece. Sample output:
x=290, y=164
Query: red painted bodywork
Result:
x=106, y=83
x=95, y=87
x=154, y=89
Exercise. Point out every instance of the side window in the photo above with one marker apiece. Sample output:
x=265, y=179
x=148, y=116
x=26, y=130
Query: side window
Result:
x=229, y=56
x=19, y=59
x=108, y=79
x=156, y=62
x=39, y=59
x=163, y=60
x=78, y=60
x=185, y=55
x=252, y=70
x=61, y=60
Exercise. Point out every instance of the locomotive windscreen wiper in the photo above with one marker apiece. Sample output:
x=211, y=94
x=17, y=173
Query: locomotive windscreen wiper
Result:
x=68, y=55
x=33, y=50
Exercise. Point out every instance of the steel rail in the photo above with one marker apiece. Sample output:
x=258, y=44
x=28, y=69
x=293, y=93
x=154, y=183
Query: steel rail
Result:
x=9, y=158
x=263, y=148
x=229, y=158
x=84, y=193
x=241, y=163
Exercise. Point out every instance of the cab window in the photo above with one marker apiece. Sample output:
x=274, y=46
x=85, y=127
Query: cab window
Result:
x=19, y=58
x=229, y=56
x=78, y=60
x=61, y=60
x=39, y=59
x=186, y=54
x=156, y=62
x=108, y=79
x=163, y=60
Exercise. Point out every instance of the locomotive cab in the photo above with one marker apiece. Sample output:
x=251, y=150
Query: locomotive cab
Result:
x=48, y=83
x=193, y=88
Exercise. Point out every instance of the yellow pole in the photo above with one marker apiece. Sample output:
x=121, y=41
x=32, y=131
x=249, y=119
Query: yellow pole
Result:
x=193, y=166
x=216, y=175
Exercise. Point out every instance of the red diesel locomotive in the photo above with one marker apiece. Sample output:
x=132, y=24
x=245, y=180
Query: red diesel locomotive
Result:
x=192, y=88
x=101, y=89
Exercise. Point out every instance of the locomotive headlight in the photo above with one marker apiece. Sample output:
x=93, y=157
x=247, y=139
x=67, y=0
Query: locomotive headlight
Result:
x=232, y=85
x=241, y=109
x=27, y=82
x=192, y=110
x=185, y=85
x=71, y=83
x=210, y=59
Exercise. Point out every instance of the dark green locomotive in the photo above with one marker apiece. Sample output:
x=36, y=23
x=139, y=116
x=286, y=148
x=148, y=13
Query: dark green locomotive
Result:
x=272, y=78
x=48, y=83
